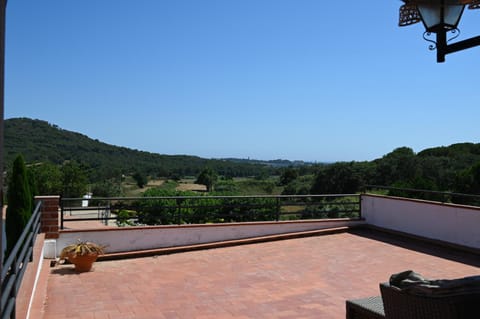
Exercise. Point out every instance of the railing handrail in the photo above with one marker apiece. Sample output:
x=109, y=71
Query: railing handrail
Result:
x=427, y=191
x=34, y=218
x=203, y=197
x=172, y=209
x=16, y=264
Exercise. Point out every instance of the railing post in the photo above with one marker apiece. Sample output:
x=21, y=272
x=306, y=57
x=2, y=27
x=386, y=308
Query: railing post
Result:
x=360, y=198
x=62, y=212
x=179, y=211
x=107, y=213
x=278, y=209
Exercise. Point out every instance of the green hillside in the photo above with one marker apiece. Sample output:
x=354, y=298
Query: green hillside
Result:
x=40, y=141
x=447, y=168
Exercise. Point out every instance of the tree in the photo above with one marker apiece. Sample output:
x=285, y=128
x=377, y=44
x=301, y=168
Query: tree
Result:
x=140, y=179
x=74, y=180
x=48, y=179
x=418, y=183
x=468, y=182
x=398, y=165
x=288, y=176
x=19, y=209
x=207, y=177
x=289, y=189
x=338, y=178
x=439, y=170
x=32, y=183
x=107, y=188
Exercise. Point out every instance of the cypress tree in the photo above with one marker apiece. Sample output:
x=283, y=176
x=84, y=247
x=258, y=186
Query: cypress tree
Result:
x=19, y=209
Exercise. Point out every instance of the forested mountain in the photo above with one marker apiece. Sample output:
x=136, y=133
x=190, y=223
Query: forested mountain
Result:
x=40, y=141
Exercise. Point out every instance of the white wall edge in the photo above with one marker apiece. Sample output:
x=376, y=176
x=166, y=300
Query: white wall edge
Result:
x=144, y=238
x=449, y=223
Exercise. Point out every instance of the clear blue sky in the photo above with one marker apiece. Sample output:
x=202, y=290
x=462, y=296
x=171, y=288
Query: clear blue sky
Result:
x=293, y=79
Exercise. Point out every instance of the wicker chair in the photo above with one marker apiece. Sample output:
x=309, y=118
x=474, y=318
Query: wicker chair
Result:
x=365, y=308
x=402, y=305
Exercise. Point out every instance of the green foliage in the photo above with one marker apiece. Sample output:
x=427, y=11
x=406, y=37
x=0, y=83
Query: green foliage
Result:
x=227, y=187
x=468, y=182
x=268, y=187
x=48, y=178
x=440, y=171
x=169, y=185
x=418, y=183
x=320, y=208
x=338, y=178
x=32, y=183
x=140, y=179
x=125, y=217
x=290, y=189
x=207, y=177
x=445, y=165
x=68, y=180
x=299, y=186
x=288, y=176
x=19, y=209
x=262, y=176
x=248, y=186
x=165, y=211
x=107, y=188
x=159, y=211
x=398, y=165
x=74, y=180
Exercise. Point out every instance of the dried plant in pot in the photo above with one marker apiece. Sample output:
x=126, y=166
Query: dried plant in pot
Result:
x=82, y=254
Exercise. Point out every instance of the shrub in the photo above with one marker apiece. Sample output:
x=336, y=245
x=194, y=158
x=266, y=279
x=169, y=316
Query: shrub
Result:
x=19, y=199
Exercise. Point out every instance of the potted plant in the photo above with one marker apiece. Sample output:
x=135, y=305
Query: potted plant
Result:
x=82, y=254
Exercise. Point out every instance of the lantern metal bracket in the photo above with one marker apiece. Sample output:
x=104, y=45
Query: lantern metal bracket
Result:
x=443, y=48
x=455, y=32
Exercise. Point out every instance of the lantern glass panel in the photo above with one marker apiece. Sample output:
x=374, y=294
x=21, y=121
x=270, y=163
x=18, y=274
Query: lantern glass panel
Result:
x=438, y=17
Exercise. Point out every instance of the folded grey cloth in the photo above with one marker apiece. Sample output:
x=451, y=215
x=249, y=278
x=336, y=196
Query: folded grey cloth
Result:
x=414, y=283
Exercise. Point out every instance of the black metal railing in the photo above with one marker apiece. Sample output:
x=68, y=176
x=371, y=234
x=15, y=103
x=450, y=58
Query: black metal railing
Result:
x=168, y=210
x=438, y=196
x=16, y=264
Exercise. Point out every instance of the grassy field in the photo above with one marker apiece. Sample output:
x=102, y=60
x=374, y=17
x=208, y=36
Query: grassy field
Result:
x=130, y=188
x=237, y=186
x=188, y=184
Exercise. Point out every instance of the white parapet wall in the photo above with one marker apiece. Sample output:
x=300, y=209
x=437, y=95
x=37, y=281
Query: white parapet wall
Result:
x=455, y=224
x=143, y=238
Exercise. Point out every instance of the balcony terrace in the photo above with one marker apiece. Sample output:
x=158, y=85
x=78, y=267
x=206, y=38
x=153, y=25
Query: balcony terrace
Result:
x=310, y=273
x=298, y=278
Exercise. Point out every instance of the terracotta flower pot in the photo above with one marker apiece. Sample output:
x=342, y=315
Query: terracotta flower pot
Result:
x=83, y=263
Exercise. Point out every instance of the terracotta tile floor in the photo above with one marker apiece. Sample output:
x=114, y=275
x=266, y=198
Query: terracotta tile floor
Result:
x=299, y=278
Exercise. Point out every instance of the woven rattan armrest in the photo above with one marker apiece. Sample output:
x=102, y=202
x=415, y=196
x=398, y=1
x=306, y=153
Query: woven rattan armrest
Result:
x=366, y=308
x=399, y=304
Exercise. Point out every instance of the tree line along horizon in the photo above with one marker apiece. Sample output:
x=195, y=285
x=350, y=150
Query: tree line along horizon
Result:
x=70, y=164
x=401, y=168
